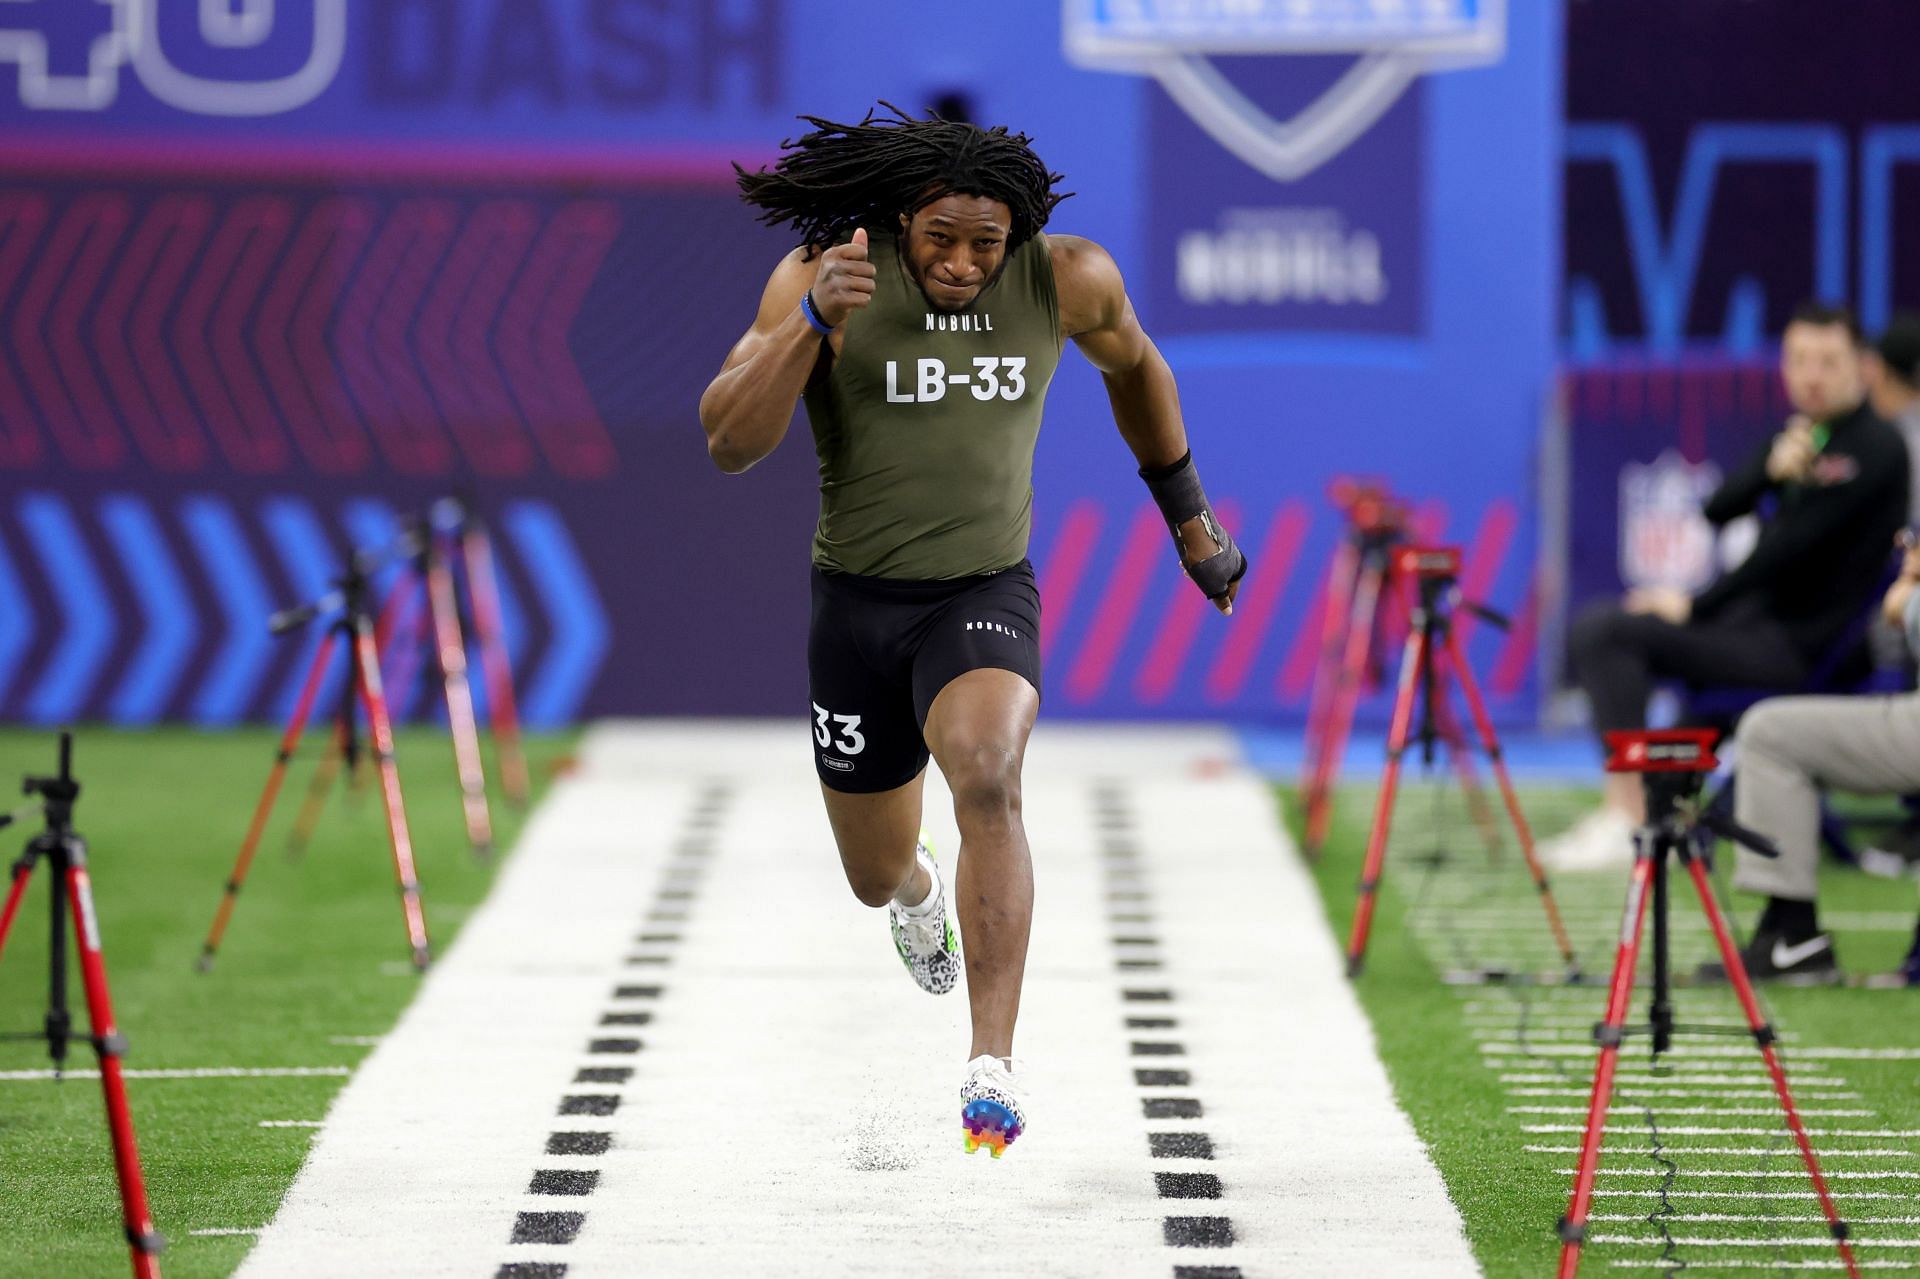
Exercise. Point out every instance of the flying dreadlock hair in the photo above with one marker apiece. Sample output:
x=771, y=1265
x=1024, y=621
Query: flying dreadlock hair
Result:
x=844, y=176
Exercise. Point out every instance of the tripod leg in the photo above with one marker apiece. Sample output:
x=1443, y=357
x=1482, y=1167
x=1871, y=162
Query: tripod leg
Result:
x=1469, y=776
x=318, y=789
x=484, y=587
x=366, y=675
x=1491, y=742
x=1609, y=1033
x=451, y=652
x=1763, y=1035
x=1336, y=600
x=288, y=741
x=143, y=1239
x=1346, y=695
x=22, y=871
x=1418, y=652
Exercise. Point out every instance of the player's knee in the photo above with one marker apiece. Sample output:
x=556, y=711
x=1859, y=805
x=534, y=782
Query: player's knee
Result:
x=1767, y=729
x=1597, y=628
x=985, y=781
x=871, y=889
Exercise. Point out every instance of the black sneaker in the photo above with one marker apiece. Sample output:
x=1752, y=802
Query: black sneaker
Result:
x=1809, y=961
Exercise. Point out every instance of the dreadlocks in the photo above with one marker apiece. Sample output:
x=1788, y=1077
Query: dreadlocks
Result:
x=844, y=176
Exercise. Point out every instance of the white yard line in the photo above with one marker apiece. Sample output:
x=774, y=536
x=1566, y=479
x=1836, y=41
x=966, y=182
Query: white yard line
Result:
x=792, y=1111
x=194, y=1072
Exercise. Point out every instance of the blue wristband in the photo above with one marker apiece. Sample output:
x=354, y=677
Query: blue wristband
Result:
x=820, y=326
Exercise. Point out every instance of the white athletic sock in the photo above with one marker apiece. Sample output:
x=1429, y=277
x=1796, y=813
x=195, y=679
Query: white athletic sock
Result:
x=926, y=904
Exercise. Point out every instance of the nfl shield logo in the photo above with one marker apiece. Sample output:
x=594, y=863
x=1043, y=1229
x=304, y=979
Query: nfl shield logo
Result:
x=1664, y=540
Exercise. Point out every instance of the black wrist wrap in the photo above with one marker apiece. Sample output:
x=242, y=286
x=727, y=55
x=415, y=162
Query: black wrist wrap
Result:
x=1176, y=491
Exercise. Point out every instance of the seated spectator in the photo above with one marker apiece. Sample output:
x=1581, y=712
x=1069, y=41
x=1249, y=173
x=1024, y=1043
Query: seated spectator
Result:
x=1790, y=747
x=1837, y=479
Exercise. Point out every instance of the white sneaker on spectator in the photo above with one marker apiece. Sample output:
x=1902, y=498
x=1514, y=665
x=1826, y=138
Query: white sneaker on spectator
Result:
x=1602, y=840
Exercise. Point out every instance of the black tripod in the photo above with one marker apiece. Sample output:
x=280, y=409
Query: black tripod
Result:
x=1672, y=763
x=72, y=890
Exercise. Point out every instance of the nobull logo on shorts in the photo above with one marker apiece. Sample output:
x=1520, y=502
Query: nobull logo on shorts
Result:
x=1394, y=43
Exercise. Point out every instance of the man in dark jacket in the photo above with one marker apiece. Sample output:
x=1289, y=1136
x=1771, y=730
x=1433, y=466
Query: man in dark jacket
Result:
x=1832, y=490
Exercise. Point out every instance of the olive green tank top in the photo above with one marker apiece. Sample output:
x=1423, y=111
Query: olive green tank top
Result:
x=925, y=423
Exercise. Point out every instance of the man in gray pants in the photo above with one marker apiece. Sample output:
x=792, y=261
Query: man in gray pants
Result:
x=1789, y=747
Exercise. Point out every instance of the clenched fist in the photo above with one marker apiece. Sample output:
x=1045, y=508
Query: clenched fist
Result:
x=845, y=283
x=1791, y=458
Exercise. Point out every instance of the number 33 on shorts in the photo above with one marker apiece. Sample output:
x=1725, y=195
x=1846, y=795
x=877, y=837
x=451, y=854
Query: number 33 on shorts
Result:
x=850, y=740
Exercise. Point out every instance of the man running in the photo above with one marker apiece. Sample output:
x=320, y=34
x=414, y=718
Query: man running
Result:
x=922, y=317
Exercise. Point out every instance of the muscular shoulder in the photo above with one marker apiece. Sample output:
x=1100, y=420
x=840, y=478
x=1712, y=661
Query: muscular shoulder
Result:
x=1087, y=281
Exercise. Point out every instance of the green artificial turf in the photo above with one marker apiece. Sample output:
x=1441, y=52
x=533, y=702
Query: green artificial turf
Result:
x=1511, y=1199
x=315, y=958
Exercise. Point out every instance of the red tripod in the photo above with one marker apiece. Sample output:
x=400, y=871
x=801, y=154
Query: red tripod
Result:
x=355, y=626
x=1672, y=764
x=66, y=854
x=1433, y=651
x=1357, y=582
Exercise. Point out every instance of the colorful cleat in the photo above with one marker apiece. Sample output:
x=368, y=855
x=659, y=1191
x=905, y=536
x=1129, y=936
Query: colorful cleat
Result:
x=992, y=1109
x=925, y=939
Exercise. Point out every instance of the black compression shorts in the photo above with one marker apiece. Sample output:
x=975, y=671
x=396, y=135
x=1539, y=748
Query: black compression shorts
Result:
x=880, y=650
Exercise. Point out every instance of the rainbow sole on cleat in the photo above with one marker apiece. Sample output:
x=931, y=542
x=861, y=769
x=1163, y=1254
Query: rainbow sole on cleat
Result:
x=989, y=1124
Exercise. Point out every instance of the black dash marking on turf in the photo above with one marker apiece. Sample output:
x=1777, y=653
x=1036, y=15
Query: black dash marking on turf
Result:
x=1180, y=1145
x=1163, y=1078
x=614, y=1046
x=1198, y=1232
x=592, y=1103
x=603, y=1074
x=1137, y=948
x=547, y=1227
x=678, y=886
x=1170, y=1107
x=563, y=1181
x=1187, y=1185
x=579, y=1143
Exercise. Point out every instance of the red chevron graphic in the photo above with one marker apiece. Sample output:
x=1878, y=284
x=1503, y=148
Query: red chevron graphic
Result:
x=1059, y=578
x=234, y=262
x=268, y=219
x=371, y=336
x=22, y=216
x=1260, y=595
x=413, y=410
x=155, y=409
x=1518, y=653
x=476, y=404
x=354, y=338
x=103, y=440
x=533, y=339
x=333, y=438
x=1485, y=555
x=69, y=267
x=1178, y=627
x=1119, y=603
x=1296, y=673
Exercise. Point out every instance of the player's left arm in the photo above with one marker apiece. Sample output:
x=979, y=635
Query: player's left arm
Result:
x=1096, y=313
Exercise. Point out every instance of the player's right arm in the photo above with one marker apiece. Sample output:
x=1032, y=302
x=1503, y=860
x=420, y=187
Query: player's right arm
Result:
x=746, y=409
